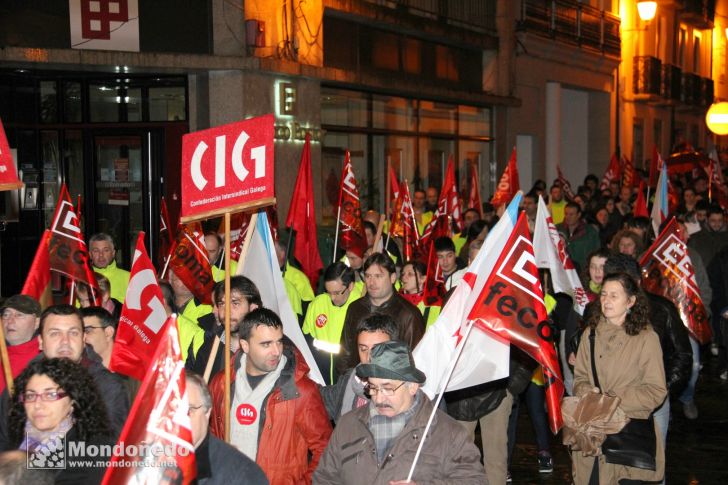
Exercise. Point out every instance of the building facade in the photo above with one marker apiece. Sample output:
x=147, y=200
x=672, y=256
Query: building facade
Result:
x=98, y=93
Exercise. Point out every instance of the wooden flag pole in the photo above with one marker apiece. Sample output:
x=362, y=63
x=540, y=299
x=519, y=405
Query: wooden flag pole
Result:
x=243, y=252
x=227, y=328
x=6, y=361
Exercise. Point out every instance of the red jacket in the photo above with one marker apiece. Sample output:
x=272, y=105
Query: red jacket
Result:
x=293, y=421
x=19, y=356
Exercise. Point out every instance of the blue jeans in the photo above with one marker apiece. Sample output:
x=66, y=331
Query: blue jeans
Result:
x=689, y=392
x=662, y=419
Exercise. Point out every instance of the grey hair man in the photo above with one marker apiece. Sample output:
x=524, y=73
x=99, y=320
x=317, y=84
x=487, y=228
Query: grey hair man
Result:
x=396, y=418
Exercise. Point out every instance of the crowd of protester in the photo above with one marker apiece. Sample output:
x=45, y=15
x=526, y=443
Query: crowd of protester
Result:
x=365, y=424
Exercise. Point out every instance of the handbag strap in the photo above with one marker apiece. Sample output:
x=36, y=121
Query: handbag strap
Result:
x=592, y=340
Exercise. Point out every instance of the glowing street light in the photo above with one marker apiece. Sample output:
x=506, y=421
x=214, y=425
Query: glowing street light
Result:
x=646, y=10
x=717, y=118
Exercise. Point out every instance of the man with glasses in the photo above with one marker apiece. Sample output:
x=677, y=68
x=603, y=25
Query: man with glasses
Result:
x=62, y=336
x=375, y=444
x=217, y=461
x=244, y=298
x=103, y=253
x=381, y=297
x=20, y=318
x=99, y=328
x=325, y=318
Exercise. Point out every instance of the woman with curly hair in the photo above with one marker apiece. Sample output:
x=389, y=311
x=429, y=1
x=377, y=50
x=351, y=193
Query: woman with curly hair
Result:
x=627, y=242
x=57, y=400
x=628, y=362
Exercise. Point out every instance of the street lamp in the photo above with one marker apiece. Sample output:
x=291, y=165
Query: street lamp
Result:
x=646, y=10
x=717, y=118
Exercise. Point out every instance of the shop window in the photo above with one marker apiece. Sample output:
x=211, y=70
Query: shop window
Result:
x=438, y=117
x=133, y=101
x=393, y=113
x=104, y=101
x=167, y=103
x=72, y=105
x=48, y=102
x=473, y=121
x=343, y=108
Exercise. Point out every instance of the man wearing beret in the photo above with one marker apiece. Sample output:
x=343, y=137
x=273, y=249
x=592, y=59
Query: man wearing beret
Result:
x=376, y=444
x=20, y=316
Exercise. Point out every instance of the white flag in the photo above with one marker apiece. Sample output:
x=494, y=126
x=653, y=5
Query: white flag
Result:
x=483, y=359
x=261, y=266
x=550, y=252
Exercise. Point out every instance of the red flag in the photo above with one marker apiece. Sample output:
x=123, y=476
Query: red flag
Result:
x=453, y=209
x=509, y=183
x=511, y=307
x=640, y=205
x=166, y=234
x=238, y=229
x=474, y=200
x=189, y=262
x=434, y=281
x=8, y=174
x=142, y=317
x=302, y=219
x=668, y=271
x=565, y=184
x=629, y=177
x=717, y=189
x=155, y=445
x=404, y=224
x=393, y=193
x=614, y=172
x=353, y=237
x=38, y=282
x=68, y=254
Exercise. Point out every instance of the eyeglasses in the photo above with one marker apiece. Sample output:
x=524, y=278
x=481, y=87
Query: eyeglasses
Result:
x=9, y=314
x=384, y=391
x=47, y=396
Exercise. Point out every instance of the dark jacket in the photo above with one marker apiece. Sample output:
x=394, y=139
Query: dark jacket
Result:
x=474, y=402
x=294, y=427
x=218, y=463
x=197, y=361
x=407, y=317
x=448, y=454
x=677, y=354
x=111, y=389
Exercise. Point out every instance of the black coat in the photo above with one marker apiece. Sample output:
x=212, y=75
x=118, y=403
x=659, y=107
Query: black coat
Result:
x=218, y=463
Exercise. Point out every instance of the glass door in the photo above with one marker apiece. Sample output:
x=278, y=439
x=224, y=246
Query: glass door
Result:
x=120, y=168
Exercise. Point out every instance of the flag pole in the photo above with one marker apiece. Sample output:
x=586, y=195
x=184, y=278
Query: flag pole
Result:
x=72, y=292
x=6, y=361
x=441, y=392
x=166, y=265
x=291, y=232
x=227, y=328
x=336, y=234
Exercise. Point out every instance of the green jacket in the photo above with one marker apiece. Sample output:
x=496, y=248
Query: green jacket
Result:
x=119, y=279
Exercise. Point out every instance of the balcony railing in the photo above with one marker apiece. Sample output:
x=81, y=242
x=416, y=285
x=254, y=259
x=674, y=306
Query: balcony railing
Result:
x=572, y=22
x=671, y=82
x=646, y=75
x=691, y=89
x=478, y=15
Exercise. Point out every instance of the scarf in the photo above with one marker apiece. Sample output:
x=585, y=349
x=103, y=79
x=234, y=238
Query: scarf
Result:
x=354, y=397
x=45, y=443
x=385, y=429
x=246, y=408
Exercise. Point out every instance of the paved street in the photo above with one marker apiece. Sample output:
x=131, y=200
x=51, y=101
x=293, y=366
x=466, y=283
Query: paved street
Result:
x=696, y=450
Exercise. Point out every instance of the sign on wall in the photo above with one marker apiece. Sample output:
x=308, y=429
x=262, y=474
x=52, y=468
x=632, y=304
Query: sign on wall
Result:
x=227, y=168
x=104, y=24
